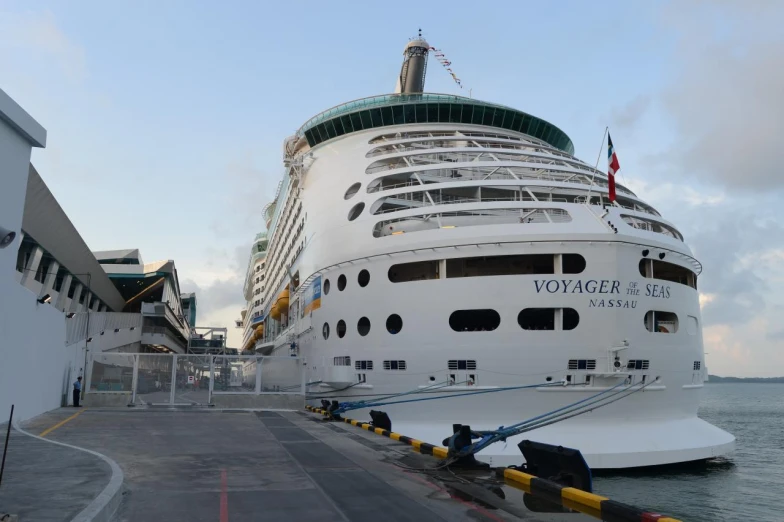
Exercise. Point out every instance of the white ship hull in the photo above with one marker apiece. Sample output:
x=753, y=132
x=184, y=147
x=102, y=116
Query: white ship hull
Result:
x=601, y=315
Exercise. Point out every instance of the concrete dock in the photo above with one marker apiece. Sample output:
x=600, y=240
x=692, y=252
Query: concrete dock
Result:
x=195, y=464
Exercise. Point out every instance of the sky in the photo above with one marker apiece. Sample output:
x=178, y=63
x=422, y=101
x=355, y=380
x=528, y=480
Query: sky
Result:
x=166, y=121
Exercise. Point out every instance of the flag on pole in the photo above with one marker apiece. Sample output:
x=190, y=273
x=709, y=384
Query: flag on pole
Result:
x=612, y=166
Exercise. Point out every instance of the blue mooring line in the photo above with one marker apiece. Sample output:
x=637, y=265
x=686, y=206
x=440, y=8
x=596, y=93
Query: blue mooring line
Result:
x=489, y=437
x=347, y=406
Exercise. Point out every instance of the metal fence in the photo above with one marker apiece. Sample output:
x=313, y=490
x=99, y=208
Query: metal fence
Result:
x=169, y=379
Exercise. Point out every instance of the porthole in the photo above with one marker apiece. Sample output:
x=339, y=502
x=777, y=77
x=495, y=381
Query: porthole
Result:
x=341, y=328
x=394, y=324
x=352, y=191
x=326, y=286
x=364, y=278
x=355, y=211
x=341, y=282
x=363, y=326
x=325, y=331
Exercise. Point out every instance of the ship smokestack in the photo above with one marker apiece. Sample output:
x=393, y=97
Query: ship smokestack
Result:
x=412, y=73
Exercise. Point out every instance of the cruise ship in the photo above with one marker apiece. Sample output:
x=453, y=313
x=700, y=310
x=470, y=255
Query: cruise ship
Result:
x=437, y=245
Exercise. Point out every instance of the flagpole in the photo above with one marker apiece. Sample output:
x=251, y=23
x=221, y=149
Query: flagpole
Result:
x=596, y=167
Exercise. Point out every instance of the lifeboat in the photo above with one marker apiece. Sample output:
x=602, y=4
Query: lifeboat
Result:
x=283, y=301
x=259, y=331
x=275, y=312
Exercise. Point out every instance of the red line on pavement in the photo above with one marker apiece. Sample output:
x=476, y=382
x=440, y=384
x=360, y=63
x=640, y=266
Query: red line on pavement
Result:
x=224, y=499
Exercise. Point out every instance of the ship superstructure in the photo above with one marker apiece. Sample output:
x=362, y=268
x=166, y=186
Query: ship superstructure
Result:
x=422, y=238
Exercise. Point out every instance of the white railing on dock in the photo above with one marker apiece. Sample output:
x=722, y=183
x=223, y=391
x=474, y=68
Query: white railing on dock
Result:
x=192, y=379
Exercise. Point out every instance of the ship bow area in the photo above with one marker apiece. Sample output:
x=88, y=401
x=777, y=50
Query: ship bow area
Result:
x=604, y=445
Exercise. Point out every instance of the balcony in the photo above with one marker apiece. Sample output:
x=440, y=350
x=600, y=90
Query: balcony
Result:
x=162, y=311
x=161, y=336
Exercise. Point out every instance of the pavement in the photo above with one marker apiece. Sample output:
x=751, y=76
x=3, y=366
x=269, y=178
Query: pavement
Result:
x=198, y=464
x=49, y=482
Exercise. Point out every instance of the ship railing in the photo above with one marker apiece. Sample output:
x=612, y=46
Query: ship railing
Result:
x=468, y=157
x=452, y=200
x=506, y=172
x=468, y=143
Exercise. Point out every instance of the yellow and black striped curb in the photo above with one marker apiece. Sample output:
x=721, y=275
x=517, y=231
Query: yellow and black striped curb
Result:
x=421, y=447
x=579, y=500
x=587, y=503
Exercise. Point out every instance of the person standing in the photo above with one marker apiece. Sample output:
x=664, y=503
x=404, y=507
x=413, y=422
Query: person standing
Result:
x=77, y=391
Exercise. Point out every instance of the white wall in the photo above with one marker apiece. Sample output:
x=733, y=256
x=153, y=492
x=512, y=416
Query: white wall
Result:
x=35, y=366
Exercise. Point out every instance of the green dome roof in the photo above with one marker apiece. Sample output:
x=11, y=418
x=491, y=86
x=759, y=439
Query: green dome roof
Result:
x=399, y=109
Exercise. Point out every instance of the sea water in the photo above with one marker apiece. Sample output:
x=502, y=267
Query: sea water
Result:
x=747, y=485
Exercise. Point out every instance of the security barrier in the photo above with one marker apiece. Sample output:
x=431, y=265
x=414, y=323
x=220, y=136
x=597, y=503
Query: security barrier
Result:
x=185, y=380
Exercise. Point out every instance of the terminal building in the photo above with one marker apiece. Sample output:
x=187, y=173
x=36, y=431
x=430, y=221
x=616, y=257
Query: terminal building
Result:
x=60, y=301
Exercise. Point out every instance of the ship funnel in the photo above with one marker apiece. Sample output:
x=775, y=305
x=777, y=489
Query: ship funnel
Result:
x=412, y=73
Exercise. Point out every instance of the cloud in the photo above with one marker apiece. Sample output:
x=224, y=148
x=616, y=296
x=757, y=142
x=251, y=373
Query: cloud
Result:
x=725, y=101
x=777, y=335
x=39, y=32
x=626, y=117
x=218, y=304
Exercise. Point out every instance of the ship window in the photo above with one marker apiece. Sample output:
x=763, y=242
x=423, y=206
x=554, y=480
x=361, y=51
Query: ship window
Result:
x=582, y=364
x=638, y=364
x=326, y=286
x=363, y=326
x=341, y=361
x=421, y=113
x=367, y=123
x=697, y=365
x=375, y=116
x=500, y=265
x=570, y=318
x=395, y=365
x=341, y=328
x=325, y=331
x=484, y=320
x=394, y=324
x=417, y=271
x=655, y=269
x=342, y=282
x=352, y=191
x=363, y=278
x=347, y=126
x=462, y=365
x=397, y=114
x=386, y=115
x=548, y=319
x=572, y=263
x=661, y=322
x=363, y=365
x=355, y=211
x=537, y=319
